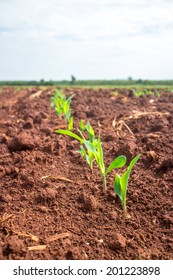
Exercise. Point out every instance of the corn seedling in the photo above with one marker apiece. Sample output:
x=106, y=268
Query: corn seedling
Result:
x=148, y=92
x=97, y=151
x=139, y=92
x=84, y=151
x=121, y=184
x=92, y=150
x=61, y=105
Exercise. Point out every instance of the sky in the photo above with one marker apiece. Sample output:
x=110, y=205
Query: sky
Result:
x=89, y=39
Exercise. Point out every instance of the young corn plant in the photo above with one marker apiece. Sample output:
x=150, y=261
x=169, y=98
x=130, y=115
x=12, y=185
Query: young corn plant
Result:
x=138, y=92
x=84, y=151
x=121, y=184
x=62, y=106
x=92, y=150
x=97, y=151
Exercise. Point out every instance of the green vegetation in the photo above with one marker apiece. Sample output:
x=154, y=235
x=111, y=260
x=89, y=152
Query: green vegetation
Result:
x=62, y=107
x=141, y=91
x=92, y=150
x=92, y=83
x=121, y=184
x=97, y=152
x=84, y=148
x=61, y=104
x=91, y=147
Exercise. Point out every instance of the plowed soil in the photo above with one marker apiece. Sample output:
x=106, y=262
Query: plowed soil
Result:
x=52, y=205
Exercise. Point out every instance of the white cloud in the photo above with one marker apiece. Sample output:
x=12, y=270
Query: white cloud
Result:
x=89, y=38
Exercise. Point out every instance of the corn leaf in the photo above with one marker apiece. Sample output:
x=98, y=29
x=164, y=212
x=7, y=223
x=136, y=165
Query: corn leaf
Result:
x=71, y=134
x=125, y=176
x=117, y=186
x=120, y=161
x=71, y=122
x=90, y=132
x=69, y=99
x=82, y=126
x=89, y=146
x=100, y=156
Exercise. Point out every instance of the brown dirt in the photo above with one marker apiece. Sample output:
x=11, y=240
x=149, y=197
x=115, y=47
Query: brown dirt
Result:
x=53, y=207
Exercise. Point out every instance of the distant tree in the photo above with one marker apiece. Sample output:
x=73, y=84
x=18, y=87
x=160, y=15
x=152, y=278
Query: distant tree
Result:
x=130, y=79
x=139, y=81
x=73, y=79
x=42, y=81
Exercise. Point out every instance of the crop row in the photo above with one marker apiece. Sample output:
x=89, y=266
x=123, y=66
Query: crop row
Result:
x=90, y=148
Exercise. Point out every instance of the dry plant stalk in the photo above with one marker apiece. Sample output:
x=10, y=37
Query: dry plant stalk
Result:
x=57, y=178
x=37, y=248
x=138, y=114
x=118, y=126
x=57, y=236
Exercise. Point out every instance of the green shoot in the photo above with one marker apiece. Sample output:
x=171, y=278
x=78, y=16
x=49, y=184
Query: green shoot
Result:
x=84, y=151
x=71, y=134
x=71, y=122
x=61, y=104
x=141, y=92
x=148, y=92
x=98, y=155
x=92, y=150
x=121, y=184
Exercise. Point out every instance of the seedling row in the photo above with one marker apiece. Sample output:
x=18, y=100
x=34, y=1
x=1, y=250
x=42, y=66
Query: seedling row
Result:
x=90, y=148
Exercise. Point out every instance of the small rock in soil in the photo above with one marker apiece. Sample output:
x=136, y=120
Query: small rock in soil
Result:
x=46, y=195
x=15, y=245
x=23, y=141
x=28, y=125
x=89, y=202
x=50, y=193
x=119, y=242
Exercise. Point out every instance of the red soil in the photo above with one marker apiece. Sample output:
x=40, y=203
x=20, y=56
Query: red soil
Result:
x=50, y=198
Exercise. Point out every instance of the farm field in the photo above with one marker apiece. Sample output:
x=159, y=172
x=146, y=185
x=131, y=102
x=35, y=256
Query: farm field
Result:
x=52, y=206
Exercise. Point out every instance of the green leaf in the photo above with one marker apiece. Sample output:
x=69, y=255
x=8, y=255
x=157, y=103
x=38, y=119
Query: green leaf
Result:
x=82, y=126
x=71, y=134
x=117, y=186
x=90, y=132
x=99, y=159
x=70, y=125
x=69, y=99
x=88, y=160
x=82, y=151
x=89, y=146
x=125, y=176
x=120, y=161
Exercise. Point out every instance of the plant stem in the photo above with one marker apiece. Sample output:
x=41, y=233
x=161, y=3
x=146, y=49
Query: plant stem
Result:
x=104, y=184
x=124, y=209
